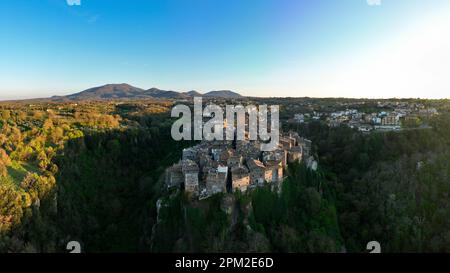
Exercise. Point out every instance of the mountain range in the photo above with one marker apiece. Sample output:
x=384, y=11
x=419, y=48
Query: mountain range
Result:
x=126, y=91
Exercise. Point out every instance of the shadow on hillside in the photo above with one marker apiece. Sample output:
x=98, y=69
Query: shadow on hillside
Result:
x=108, y=185
x=106, y=191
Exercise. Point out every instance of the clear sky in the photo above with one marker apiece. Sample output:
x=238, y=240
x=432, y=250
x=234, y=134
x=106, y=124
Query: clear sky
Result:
x=318, y=48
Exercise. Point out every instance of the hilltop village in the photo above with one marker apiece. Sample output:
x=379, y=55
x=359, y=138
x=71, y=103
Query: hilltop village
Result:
x=227, y=166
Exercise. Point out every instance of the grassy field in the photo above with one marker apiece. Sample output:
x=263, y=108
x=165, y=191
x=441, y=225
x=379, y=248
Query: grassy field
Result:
x=17, y=172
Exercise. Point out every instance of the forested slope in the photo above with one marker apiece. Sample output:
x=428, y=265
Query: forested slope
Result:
x=92, y=173
x=392, y=187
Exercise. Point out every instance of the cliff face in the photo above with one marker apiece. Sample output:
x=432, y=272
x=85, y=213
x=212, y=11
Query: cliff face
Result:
x=218, y=224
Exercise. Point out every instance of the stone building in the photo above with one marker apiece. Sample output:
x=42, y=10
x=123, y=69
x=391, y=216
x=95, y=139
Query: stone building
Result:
x=276, y=169
x=240, y=178
x=248, y=149
x=295, y=154
x=225, y=155
x=189, y=153
x=235, y=161
x=391, y=119
x=215, y=153
x=306, y=145
x=174, y=176
x=190, y=171
x=287, y=142
x=277, y=155
x=205, y=160
x=284, y=158
x=257, y=171
x=268, y=175
x=216, y=180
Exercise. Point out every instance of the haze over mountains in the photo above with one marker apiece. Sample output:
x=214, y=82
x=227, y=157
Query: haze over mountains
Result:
x=126, y=91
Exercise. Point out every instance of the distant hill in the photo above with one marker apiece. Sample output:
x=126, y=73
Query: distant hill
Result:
x=222, y=94
x=193, y=93
x=126, y=91
x=109, y=91
x=158, y=93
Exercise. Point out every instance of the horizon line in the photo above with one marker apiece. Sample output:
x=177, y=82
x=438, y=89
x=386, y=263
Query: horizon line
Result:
x=181, y=92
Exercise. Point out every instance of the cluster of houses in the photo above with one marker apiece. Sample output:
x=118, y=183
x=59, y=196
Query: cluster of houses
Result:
x=382, y=120
x=367, y=122
x=227, y=166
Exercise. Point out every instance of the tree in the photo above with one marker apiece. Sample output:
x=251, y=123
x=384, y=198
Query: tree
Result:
x=4, y=162
x=3, y=139
x=3, y=169
x=43, y=161
x=15, y=137
x=38, y=115
x=4, y=157
x=57, y=135
x=48, y=125
x=10, y=207
x=6, y=114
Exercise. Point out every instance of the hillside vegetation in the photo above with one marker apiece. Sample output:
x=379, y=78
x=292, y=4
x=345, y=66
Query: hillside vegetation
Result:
x=92, y=171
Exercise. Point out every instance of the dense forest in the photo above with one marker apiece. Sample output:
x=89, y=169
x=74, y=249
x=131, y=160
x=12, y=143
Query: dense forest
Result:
x=392, y=187
x=90, y=175
x=92, y=172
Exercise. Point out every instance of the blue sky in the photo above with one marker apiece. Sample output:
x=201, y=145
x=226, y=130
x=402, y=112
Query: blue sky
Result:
x=320, y=48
